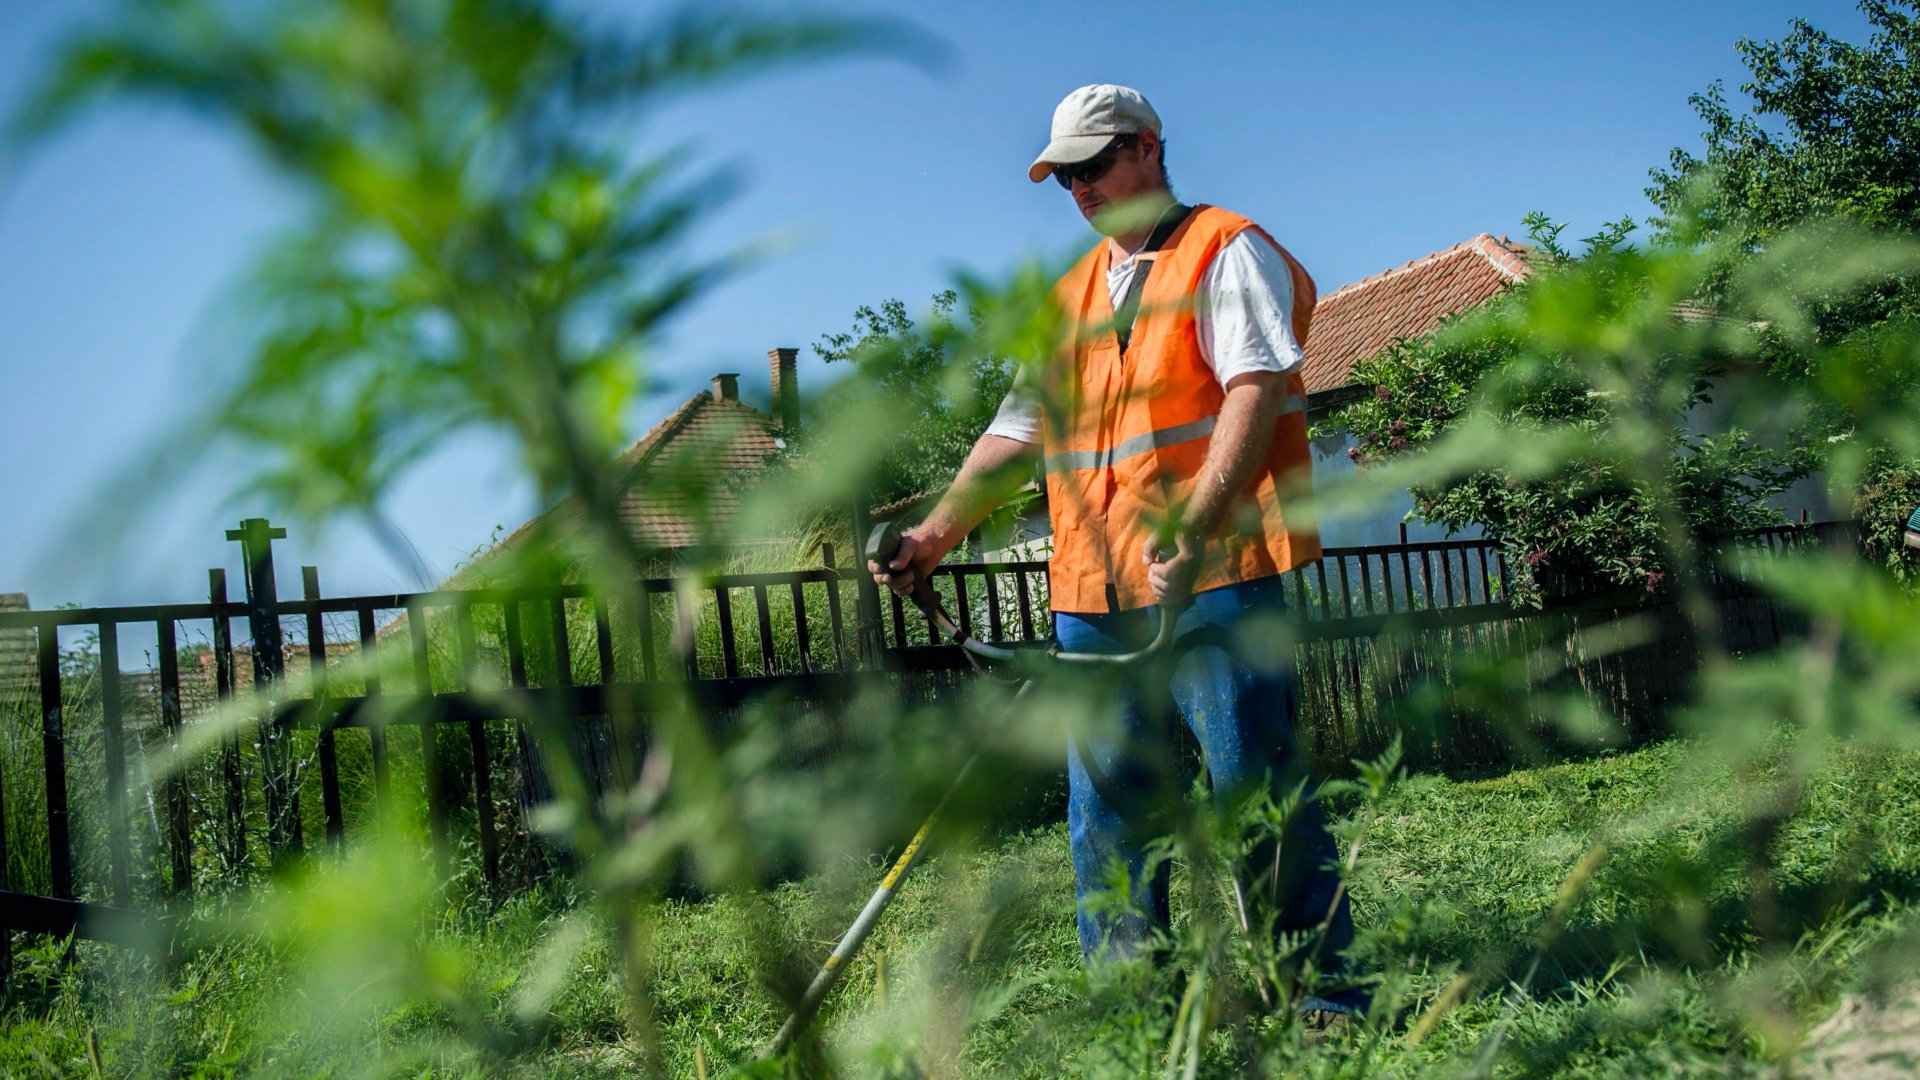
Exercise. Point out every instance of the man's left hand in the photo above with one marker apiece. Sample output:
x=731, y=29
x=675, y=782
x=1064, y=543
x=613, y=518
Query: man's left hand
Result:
x=1171, y=574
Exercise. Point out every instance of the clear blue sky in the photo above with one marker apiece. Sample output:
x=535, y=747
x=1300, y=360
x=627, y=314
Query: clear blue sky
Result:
x=1361, y=134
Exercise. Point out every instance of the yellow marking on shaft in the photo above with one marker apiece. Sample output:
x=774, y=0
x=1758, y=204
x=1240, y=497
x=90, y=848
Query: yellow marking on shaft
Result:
x=906, y=857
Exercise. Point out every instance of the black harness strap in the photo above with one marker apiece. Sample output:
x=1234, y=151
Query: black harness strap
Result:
x=1130, y=307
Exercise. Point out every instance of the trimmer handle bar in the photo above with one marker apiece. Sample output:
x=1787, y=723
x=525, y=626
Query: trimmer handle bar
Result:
x=883, y=544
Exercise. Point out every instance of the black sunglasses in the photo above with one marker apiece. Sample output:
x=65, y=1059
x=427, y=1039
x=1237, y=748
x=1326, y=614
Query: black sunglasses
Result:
x=1094, y=167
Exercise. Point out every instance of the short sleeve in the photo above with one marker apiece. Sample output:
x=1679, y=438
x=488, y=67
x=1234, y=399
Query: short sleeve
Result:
x=1019, y=415
x=1245, y=310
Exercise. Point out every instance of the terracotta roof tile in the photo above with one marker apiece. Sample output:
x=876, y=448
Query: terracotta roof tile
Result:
x=1355, y=321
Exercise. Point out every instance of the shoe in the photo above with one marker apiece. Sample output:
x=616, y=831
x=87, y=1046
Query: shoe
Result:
x=1324, y=1025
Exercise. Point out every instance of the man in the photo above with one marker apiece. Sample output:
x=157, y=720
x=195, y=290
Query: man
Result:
x=1170, y=434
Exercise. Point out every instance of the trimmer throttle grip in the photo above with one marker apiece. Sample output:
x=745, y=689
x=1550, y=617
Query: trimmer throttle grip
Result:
x=883, y=546
x=883, y=543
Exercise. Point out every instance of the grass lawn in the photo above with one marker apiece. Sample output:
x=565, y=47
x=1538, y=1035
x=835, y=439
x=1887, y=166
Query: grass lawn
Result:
x=1683, y=953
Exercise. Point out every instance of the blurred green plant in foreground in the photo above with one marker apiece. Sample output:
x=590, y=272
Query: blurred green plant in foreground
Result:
x=484, y=252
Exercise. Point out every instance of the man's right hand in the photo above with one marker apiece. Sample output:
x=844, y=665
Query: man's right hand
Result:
x=919, y=553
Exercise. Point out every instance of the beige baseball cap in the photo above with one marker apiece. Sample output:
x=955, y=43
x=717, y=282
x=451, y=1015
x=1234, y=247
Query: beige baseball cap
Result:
x=1087, y=119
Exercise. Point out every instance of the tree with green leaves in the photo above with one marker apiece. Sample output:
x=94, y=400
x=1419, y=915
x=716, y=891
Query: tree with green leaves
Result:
x=1592, y=522
x=1833, y=129
x=941, y=397
x=1830, y=129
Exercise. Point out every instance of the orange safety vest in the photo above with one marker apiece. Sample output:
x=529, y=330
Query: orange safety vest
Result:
x=1125, y=434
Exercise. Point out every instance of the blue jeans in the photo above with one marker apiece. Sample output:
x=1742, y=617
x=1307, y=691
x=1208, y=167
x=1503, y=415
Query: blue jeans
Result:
x=1124, y=784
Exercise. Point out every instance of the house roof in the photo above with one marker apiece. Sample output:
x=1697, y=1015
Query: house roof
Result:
x=1355, y=321
x=677, y=476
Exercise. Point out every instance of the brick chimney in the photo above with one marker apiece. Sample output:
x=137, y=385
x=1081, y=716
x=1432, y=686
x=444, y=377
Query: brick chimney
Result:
x=726, y=387
x=782, y=368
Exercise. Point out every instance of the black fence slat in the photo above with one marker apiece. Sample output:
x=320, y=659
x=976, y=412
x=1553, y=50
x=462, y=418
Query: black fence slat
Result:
x=933, y=628
x=179, y=806
x=376, y=735
x=1330, y=653
x=803, y=638
x=53, y=742
x=420, y=655
x=1299, y=578
x=603, y=639
x=834, y=619
x=330, y=805
x=764, y=614
x=224, y=689
x=899, y=620
x=483, y=808
x=466, y=643
x=466, y=636
x=114, y=745
x=643, y=617
x=686, y=638
x=516, y=643
x=436, y=777
x=1353, y=647
x=514, y=631
x=1406, y=567
x=723, y=616
x=869, y=619
x=1025, y=596
x=990, y=582
x=963, y=609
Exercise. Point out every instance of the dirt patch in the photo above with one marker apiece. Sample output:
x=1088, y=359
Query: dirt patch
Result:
x=1868, y=1039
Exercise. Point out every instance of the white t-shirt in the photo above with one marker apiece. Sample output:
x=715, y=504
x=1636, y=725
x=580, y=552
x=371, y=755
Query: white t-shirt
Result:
x=1244, y=314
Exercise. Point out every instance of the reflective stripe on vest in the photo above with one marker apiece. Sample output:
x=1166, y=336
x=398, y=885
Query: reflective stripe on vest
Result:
x=1075, y=460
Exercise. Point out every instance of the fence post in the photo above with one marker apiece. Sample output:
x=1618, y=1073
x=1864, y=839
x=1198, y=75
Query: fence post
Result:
x=256, y=538
x=868, y=632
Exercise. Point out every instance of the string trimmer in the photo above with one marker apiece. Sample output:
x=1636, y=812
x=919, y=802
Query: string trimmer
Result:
x=883, y=543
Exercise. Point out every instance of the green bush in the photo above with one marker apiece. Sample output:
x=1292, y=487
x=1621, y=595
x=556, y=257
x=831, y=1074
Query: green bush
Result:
x=1593, y=518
